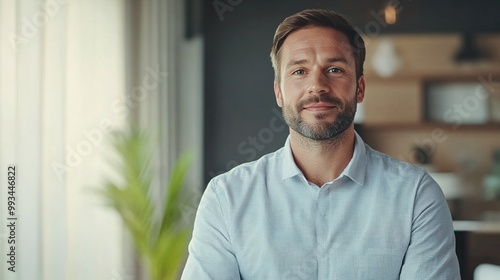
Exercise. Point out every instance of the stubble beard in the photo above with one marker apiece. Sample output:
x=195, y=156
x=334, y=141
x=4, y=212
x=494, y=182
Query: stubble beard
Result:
x=323, y=130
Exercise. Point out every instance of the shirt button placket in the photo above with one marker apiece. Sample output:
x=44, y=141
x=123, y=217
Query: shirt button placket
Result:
x=322, y=230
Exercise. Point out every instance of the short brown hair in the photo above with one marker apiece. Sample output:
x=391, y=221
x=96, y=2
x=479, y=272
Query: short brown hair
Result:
x=320, y=18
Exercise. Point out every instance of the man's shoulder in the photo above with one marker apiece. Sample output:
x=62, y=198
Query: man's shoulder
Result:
x=396, y=177
x=389, y=165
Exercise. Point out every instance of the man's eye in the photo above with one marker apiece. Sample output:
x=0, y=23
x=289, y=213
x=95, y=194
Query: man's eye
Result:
x=299, y=72
x=334, y=70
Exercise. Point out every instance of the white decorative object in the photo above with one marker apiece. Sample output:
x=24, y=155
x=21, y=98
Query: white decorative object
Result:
x=487, y=272
x=360, y=112
x=385, y=59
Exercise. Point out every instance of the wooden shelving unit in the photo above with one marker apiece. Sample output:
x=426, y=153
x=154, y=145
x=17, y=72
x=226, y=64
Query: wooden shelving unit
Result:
x=399, y=100
x=394, y=109
x=430, y=126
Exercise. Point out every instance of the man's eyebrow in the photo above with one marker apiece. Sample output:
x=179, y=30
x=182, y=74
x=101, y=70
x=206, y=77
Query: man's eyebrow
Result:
x=337, y=59
x=296, y=62
x=304, y=61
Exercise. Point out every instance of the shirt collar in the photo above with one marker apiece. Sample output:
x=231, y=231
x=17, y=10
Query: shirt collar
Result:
x=355, y=170
x=290, y=169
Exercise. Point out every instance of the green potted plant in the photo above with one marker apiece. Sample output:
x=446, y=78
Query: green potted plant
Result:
x=160, y=237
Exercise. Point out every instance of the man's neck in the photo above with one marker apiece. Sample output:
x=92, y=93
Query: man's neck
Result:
x=322, y=161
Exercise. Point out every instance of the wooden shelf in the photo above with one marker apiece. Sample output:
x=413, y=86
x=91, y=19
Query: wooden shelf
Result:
x=431, y=125
x=430, y=57
x=477, y=226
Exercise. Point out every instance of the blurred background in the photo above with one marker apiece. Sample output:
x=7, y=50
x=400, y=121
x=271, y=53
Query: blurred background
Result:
x=198, y=74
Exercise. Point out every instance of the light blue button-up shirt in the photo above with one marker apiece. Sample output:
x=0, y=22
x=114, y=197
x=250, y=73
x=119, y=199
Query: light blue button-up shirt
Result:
x=381, y=219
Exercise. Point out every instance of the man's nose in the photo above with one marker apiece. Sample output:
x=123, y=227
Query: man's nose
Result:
x=318, y=83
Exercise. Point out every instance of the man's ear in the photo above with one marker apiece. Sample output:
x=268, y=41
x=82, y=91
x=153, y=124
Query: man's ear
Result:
x=277, y=94
x=360, y=95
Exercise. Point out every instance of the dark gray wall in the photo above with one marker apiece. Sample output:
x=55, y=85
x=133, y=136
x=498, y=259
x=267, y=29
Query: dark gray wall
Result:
x=241, y=116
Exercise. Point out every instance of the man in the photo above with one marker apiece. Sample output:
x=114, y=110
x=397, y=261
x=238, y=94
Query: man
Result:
x=325, y=206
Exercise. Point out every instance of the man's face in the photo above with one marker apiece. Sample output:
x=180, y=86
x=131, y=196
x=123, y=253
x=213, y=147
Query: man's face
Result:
x=318, y=90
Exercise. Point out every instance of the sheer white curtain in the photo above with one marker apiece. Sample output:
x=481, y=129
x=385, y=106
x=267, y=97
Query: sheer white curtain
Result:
x=173, y=107
x=61, y=68
x=70, y=72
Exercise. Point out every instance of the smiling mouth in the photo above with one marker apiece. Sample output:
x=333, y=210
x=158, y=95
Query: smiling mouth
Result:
x=319, y=107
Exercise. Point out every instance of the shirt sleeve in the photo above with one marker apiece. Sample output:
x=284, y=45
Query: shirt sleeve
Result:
x=431, y=252
x=210, y=250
